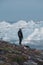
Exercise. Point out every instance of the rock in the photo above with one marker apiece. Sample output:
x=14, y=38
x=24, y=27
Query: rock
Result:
x=29, y=62
x=1, y=62
x=11, y=54
x=14, y=63
x=2, y=51
x=39, y=61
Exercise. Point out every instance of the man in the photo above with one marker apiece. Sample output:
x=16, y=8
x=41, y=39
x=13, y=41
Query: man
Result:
x=20, y=35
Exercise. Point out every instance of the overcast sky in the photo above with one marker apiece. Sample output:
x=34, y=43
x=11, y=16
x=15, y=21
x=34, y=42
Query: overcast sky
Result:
x=14, y=10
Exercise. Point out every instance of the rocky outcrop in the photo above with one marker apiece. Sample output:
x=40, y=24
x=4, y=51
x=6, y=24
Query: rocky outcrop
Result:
x=11, y=54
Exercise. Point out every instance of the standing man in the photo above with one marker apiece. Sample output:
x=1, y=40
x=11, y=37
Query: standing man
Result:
x=20, y=35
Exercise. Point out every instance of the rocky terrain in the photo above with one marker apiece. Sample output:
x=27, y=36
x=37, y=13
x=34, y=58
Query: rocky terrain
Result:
x=11, y=54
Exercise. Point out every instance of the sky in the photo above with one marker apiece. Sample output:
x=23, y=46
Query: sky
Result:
x=15, y=10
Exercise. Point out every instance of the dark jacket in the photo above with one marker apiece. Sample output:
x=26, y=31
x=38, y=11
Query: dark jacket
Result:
x=20, y=35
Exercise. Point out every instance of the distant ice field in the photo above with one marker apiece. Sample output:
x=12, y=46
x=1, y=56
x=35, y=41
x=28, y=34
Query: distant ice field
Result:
x=32, y=32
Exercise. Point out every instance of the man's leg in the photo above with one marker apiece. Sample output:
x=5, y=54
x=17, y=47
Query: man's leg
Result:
x=20, y=40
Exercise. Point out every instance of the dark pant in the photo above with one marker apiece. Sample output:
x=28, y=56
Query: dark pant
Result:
x=20, y=40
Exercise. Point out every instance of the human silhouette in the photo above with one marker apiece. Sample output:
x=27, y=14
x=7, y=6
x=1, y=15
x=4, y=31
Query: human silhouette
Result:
x=20, y=35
